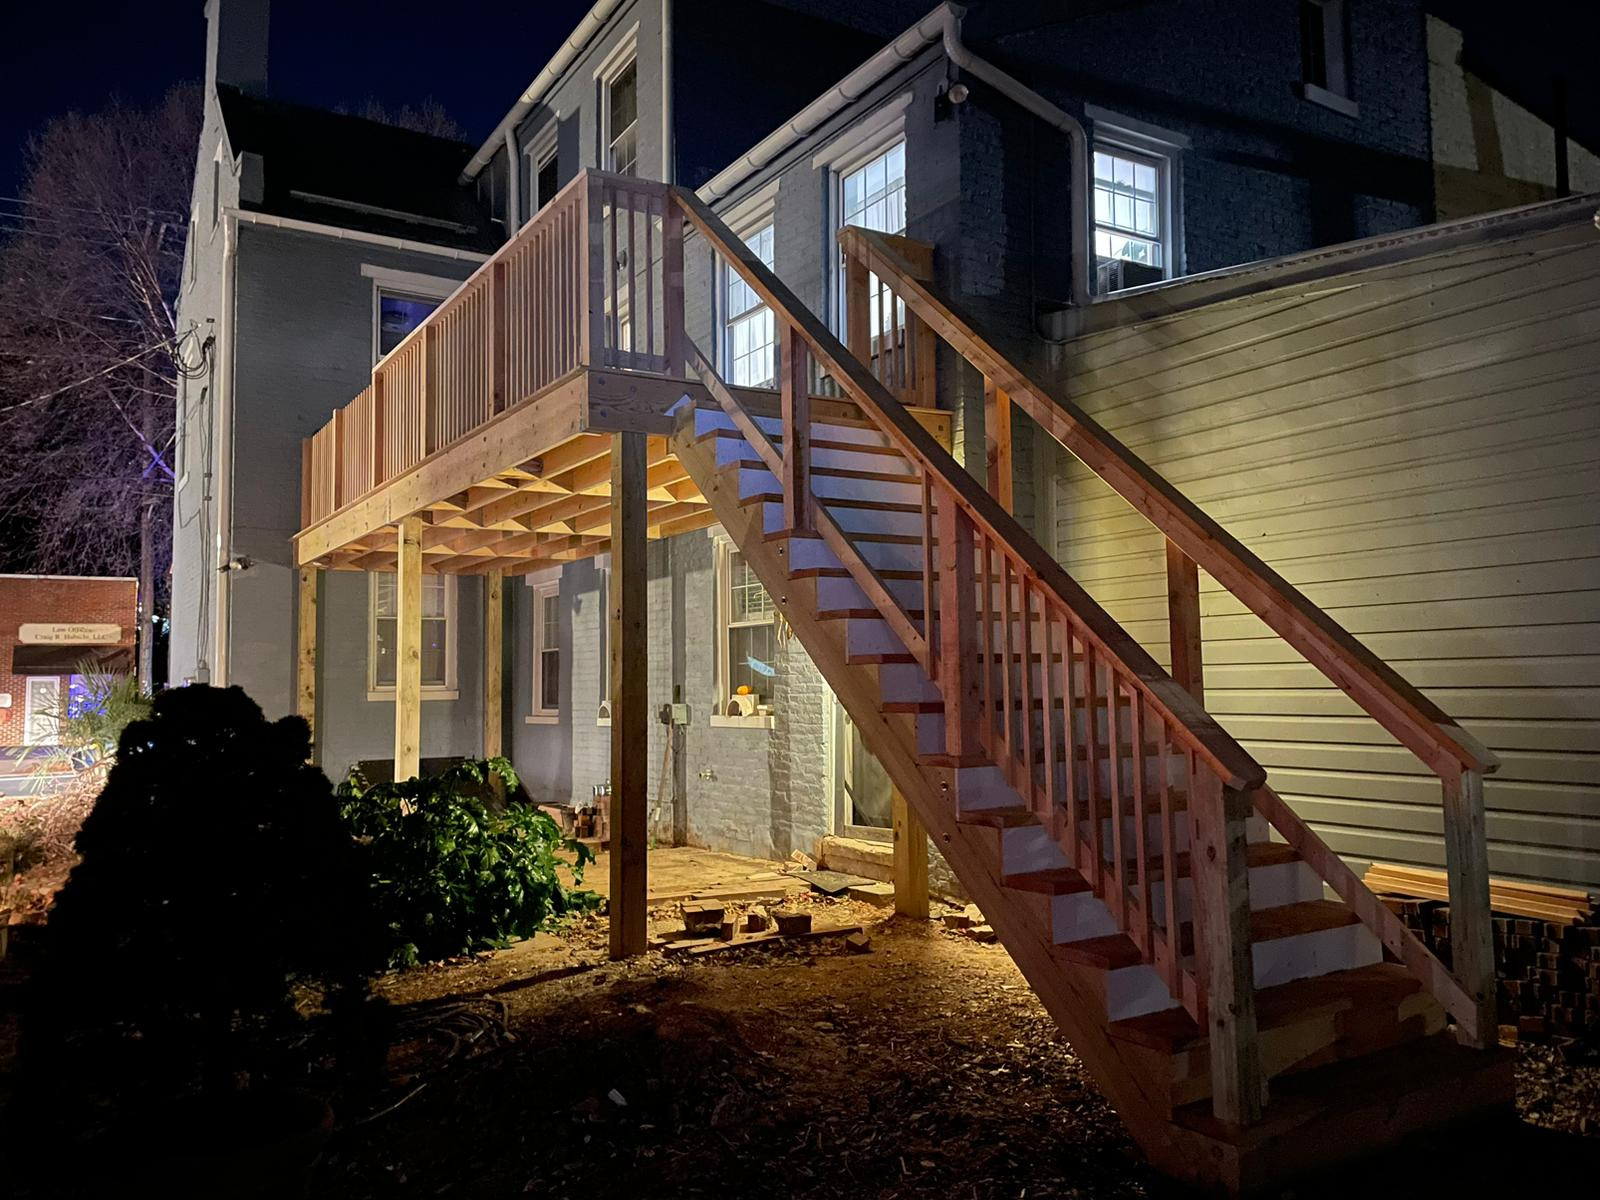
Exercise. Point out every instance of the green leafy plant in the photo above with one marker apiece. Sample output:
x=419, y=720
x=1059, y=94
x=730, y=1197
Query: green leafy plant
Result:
x=449, y=875
x=89, y=722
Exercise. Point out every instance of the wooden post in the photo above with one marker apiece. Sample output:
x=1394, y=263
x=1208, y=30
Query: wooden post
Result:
x=494, y=617
x=795, y=394
x=910, y=860
x=592, y=342
x=1471, y=931
x=960, y=675
x=857, y=310
x=408, y=650
x=997, y=443
x=305, y=666
x=1183, y=617
x=430, y=392
x=630, y=717
x=672, y=316
x=1221, y=878
x=499, y=347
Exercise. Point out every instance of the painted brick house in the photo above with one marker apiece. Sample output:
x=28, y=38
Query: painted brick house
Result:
x=703, y=401
x=50, y=626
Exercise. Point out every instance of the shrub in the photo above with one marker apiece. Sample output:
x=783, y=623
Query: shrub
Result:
x=214, y=873
x=448, y=875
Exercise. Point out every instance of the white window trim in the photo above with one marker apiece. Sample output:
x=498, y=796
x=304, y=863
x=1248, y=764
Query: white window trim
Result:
x=724, y=552
x=602, y=565
x=625, y=52
x=752, y=220
x=430, y=691
x=410, y=284
x=1335, y=21
x=853, y=158
x=538, y=715
x=540, y=150
x=1117, y=132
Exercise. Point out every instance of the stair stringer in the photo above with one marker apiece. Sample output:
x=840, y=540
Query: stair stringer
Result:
x=1071, y=992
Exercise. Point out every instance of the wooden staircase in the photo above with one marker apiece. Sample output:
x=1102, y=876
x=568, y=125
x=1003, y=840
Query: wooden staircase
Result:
x=1246, y=1024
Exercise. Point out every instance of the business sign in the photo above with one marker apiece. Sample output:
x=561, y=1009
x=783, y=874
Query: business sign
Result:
x=54, y=634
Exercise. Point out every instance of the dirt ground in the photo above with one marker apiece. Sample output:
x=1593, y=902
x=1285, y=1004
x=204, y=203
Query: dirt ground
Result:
x=923, y=1068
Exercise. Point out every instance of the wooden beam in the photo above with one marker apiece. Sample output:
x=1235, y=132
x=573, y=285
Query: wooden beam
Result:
x=1220, y=873
x=910, y=860
x=623, y=401
x=998, y=464
x=630, y=718
x=494, y=618
x=306, y=654
x=1183, y=618
x=1466, y=855
x=959, y=673
x=408, y=652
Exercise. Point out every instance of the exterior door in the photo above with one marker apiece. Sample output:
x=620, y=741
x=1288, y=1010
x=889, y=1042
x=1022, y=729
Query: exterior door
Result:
x=41, y=715
x=863, y=794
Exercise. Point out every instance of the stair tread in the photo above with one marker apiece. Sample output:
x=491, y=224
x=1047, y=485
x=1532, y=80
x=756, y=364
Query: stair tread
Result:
x=1257, y=854
x=1052, y=881
x=1173, y=1029
x=1116, y=950
x=1009, y=816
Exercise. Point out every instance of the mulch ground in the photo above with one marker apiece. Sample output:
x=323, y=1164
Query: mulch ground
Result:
x=925, y=1068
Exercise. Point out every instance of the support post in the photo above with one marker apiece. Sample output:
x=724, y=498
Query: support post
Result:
x=857, y=310
x=305, y=662
x=910, y=860
x=960, y=674
x=630, y=717
x=672, y=315
x=494, y=620
x=997, y=443
x=1183, y=617
x=1220, y=871
x=592, y=342
x=1471, y=931
x=795, y=395
x=408, y=650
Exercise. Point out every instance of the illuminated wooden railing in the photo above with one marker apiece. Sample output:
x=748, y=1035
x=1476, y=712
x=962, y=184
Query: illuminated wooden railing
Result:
x=583, y=284
x=1195, y=541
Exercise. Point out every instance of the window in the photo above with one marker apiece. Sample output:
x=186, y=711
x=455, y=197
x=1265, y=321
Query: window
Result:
x=546, y=180
x=547, y=651
x=747, y=640
x=1130, y=217
x=438, y=632
x=873, y=196
x=541, y=167
x=398, y=315
x=622, y=119
x=748, y=334
x=1324, y=54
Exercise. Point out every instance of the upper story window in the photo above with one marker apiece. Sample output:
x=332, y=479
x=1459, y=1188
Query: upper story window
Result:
x=546, y=180
x=438, y=632
x=1324, y=54
x=622, y=119
x=398, y=315
x=1131, y=235
x=747, y=331
x=873, y=196
x=541, y=167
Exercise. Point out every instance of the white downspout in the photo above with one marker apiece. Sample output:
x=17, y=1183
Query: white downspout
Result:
x=513, y=184
x=224, y=451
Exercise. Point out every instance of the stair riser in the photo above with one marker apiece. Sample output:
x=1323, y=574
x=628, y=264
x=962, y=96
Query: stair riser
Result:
x=707, y=420
x=758, y=481
x=905, y=683
x=811, y=553
x=732, y=450
x=855, y=521
x=842, y=592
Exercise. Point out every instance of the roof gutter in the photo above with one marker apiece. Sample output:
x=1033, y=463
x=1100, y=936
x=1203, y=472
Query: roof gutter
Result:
x=942, y=25
x=541, y=85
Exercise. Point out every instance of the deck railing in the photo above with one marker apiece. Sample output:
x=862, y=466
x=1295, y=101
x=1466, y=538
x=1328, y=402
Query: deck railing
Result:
x=583, y=284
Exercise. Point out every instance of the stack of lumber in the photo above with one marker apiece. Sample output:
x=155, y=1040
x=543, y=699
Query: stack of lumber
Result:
x=1546, y=946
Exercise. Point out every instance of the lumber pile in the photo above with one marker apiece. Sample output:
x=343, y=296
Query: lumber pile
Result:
x=1546, y=946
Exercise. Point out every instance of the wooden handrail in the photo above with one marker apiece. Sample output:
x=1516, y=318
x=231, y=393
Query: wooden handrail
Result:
x=1233, y=765
x=1411, y=717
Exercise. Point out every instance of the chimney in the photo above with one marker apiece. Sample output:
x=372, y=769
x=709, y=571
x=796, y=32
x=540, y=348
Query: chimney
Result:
x=236, y=45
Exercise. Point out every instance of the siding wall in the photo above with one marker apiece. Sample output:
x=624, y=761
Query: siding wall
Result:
x=1417, y=447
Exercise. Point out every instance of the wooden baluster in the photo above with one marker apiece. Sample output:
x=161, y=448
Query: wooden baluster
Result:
x=428, y=398
x=1069, y=746
x=958, y=643
x=1221, y=879
x=1091, y=773
x=997, y=443
x=672, y=316
x=592, y=313
x=986, y=582
x=1169, y=867
x=1047, y=671
x=1117, y=900
x=1183, y=617
x=650, y=276
x=884, y=376
x=1141, y=848
x=378, y=402
x=928, y=575
x=1467, y=872
x=1007, y=731
x=613, y=292
x=1025, y=649
x=634, y=302
x=795, y=397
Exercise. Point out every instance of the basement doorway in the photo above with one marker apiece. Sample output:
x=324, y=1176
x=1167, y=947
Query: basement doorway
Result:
x=863, y=795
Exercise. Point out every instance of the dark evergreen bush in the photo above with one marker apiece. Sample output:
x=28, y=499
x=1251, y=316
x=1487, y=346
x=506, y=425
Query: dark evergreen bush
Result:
x=448, y=875
x=215, y=873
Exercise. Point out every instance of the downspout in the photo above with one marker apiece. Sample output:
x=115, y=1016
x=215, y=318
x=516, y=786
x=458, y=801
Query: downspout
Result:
x=513, y=184
x=224, y=452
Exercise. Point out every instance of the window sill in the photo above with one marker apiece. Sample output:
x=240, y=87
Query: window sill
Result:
x=427, y=694
x=756, y=721
x=542, y=719
x=1342, y=105
x=602, y=722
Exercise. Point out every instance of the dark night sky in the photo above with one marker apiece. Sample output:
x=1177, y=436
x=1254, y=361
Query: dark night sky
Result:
x=473, y=56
